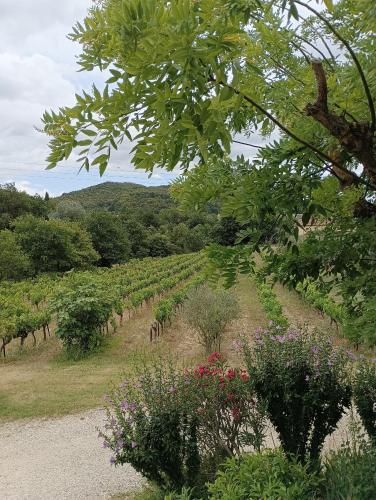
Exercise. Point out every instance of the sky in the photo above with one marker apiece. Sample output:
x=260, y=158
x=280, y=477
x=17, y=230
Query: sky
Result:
x=38, y=71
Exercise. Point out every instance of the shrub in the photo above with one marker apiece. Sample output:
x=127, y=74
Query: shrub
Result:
x=301, y=379
x=268, y=475
x=81, y=315
x=229, y=417
x=176, y=427
x=350, y=473
x=364, y=394
x=208, y=312
x=150, y=426
x=360, y=327
x=273, y=308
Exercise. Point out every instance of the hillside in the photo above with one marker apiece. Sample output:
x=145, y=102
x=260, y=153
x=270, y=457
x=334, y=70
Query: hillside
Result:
x=121, y=196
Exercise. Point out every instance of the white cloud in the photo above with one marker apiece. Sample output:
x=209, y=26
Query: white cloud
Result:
x=38, y=71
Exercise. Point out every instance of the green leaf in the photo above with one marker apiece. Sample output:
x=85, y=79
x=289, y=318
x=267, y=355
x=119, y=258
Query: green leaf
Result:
x=90, y=133
x=329, y=5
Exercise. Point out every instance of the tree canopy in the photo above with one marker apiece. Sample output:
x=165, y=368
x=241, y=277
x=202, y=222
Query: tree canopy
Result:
x=189, y=78
x=54, y=245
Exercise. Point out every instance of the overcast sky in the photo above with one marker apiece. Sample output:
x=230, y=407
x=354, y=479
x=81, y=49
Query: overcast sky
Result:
x=38, y=71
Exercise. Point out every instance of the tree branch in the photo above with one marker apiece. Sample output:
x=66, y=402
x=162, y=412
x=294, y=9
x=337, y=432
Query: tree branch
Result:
x=315, y=48
x=354, y=58
x=247, y=144
x=322, y=87
x=275, y=120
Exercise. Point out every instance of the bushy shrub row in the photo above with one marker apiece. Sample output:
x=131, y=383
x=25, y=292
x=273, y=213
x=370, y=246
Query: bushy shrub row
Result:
x=321, y=301
x=178, y=426
x=268, y=299
x=166, y=307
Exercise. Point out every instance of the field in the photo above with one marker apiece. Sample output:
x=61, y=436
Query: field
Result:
x=41, y=381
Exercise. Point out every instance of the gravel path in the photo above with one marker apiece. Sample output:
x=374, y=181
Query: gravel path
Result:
x=59, y=459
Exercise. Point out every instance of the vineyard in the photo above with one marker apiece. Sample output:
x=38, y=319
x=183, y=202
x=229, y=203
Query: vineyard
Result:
x=83, y=306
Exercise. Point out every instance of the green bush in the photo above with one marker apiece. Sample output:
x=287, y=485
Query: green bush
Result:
x=82, y=314
x=350, y=473
x=360, y=327
x=150, y=426
x=268, y=299
x=302, y=380
x=267, y=475
x=208, y=312
x=177, y=427
x=364, y=394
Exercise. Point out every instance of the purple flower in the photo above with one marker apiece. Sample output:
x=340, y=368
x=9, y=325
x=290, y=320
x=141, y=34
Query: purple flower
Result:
x=281, y=338
x=172, y=390
x=134, y=444
x=315, y=349
x=105, y=444
x=351, y=355
x=112, y=461
x=124, y=405
x=119, y=443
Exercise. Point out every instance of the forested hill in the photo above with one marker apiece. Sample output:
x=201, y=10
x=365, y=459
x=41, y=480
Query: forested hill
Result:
x=121, y=197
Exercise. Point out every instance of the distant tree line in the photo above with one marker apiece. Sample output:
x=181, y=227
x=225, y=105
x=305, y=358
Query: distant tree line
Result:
x=44, y=235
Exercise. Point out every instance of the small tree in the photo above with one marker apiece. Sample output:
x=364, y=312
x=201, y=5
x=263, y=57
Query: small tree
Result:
x=208, y=312
x=68, y=210
x=82, y=314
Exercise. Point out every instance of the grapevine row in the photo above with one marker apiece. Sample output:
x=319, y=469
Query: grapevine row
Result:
x=28, y=306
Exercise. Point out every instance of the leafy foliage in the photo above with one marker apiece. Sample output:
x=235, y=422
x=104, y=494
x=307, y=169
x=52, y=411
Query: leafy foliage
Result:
x=14, y=203
x=264, y=475
x=268, y=299
x=54, y=245
x=364, y=394
x=350, y=472
x=301, y=379
x=208, y=312
x=109, y=237
x=177, y=427
x=81, y=315
x=14, y=263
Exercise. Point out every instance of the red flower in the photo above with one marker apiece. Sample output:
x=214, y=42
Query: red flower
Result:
x=230, y=396
x=231, y=373
x=214, y=358
x=236, y=413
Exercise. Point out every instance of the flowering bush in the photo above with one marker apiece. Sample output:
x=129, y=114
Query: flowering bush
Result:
x=176, y=427
x=229, y=417
x=364, y=393
x=150, y=426
x=301, y=379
